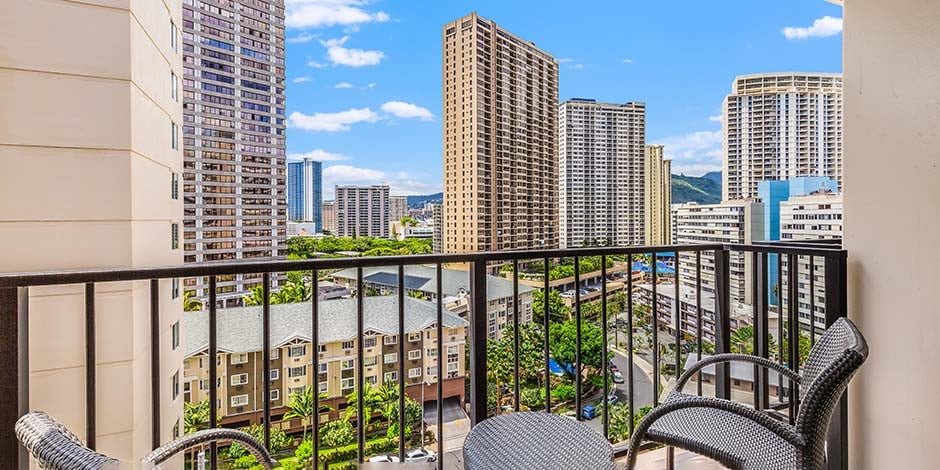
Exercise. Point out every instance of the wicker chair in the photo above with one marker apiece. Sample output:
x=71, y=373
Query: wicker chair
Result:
x=743, y=438
x=54, y=447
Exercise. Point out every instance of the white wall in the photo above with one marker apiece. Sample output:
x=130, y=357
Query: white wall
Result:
x=892, y=148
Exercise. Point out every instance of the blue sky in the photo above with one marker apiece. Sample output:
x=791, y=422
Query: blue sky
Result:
x=364, y=77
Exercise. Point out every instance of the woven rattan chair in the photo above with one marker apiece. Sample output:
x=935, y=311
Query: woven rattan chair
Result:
x=54, y=447
x=743, y=438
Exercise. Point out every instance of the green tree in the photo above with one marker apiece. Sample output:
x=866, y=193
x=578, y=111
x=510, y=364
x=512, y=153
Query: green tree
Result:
x=191, y=304
x=279, y=441
x=409, y=221
x=557, y=309
x=195, y=418
x=742, y=340
x=416, y=294
x=413, y=413
x=562, y=340
x=372, y=402
x=301, y=406
x=337, y=433
x=804, y=347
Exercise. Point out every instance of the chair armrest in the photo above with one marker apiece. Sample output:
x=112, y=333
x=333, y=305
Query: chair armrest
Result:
x=719, y=358
x=205, y=436
x=678, y=401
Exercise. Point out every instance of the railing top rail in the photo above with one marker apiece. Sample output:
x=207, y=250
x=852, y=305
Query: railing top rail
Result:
x=81, y=276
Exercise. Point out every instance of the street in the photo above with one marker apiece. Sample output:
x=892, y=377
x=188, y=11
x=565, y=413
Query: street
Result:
x=642, y=389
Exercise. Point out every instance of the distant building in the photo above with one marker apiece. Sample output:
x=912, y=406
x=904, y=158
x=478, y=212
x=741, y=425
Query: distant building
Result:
x=399, y=231
x=362, y=211
x=732, y=222
x=437, y=220
x=398, y=207
x=600, y=173
x=301, y=229
x=778, y=126
x=329, y=217
x=673, y=217
x=741, y=315
x=658, y=196
x=305, y=192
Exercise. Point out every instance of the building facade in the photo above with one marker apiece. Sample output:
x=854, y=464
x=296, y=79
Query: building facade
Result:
x=731, y=222
x=241, y=366
x=500, y=97
x=362, y=211
x=658, y=196
x=329, y=217
x=437, y=218
x=600, y=175
x=305, y=192
x=780, y=126
x=233, y=138
x=91, y=157
x=398, y=207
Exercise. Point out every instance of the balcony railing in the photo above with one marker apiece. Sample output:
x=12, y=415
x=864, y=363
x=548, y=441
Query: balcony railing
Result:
x=758, y=258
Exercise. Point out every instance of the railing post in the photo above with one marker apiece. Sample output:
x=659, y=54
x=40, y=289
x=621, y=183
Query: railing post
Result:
x=722, y=321
x=836, y=288
x=14, y=381
x=478, y=333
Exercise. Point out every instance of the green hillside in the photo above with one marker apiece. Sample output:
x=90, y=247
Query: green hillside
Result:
x=701, y=189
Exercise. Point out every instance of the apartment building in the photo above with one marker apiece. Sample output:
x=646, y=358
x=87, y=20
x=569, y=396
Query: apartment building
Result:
x=658, y=196
x=329, y=217
x=421, y=281
x=305, y=192
x=778, y=126
x=674, y=222
x=813, y=216
x=437, y=218
x=740, y=221
x=500, y=105
x=741, y=315
x=362, y=211
x=398, y=207
x=91, y=156
x=234, y=180
x=601, y=176
x=241, y=365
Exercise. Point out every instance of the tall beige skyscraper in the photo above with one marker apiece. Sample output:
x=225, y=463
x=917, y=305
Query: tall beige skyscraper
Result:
x=778, y=126
x=600, y=175
x=329, y=216
x=500, y=128
x=90, y=164
x=398, y=207
x=658, y=194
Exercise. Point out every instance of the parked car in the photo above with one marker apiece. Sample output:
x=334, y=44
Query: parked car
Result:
x=384, y=458
x=588, y=412
x=420, y=455
x=618, y=377
x=612, y=399
x=613, y=367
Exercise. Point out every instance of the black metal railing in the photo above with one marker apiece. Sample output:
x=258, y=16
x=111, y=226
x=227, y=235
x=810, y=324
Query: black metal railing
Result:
x=714, y=258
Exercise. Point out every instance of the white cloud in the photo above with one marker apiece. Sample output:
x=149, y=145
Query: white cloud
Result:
x=302, y=38
x=331, y=122
x=627, y=60
x=407, y=110
x=340, y=55
x=715, y=118
x=565, y=60
x=343, y=85
x=695, y=153
x=822, y=27
x=319, y=155
x=401, y=183
x=323, y=13
x=304, y=79
x=577, y=66
x=316, y=65
x=371, y=85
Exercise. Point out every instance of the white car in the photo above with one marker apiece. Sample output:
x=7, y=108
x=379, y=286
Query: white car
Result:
x=420, y=455
x=384, y=458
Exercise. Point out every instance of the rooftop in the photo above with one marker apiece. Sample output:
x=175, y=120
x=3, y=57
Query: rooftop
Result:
x=424, y=278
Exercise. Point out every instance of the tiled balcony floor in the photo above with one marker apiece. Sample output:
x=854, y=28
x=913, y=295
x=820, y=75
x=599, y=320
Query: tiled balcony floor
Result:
x=656, y=460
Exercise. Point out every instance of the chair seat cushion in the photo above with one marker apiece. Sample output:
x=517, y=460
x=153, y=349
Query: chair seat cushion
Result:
x=735, y=441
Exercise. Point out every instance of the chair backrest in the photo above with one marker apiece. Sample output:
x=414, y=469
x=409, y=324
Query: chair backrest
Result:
x=832, y=362
x=55, y=447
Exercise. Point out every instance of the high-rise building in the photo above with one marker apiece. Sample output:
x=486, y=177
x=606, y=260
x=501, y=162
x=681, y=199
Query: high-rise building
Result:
x=362, y=211
x=90, y=166
x=233, y=138
x=305, y=192
x=731, y=222
x=778, y=126
x=500, y=130
x=674, y=222
x=437, y=212
x=600, y=176
x=398, y=205
x=658, y=192
x=329, y=217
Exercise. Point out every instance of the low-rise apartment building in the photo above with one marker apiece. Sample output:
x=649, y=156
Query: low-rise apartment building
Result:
x=241, y=366
x=741, y=315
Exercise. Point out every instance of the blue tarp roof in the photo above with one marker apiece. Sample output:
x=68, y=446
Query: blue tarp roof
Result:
x=661, y=268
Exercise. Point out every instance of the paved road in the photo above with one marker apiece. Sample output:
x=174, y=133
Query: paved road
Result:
x=642, y=389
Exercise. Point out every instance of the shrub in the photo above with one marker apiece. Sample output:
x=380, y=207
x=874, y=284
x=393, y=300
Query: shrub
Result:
x=304, y=451
x=563, y=392
x=246, y=461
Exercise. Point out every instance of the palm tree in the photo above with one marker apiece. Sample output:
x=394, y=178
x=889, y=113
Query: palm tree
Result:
x=195, y=418
x=742, y=340
x=189, y=303
x=301, y=406
x=371, y=402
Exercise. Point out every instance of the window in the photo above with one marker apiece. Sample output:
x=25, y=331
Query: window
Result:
x=414, y=373
x=176, y=384
x=347, y=364
x=174, y=41
x=322, y=367
x=391, y=358
x=296, y=351
x=414, y=337
x=240, y=400
x=321, y=387
x=275, y=374
x=275, y=353
x=347, y=383
x=432, y=370
x=239, y=358
x=414, y=355
x=275, y=395
x=239, y=379
x=347, y=344
x=390, y=340
x=391, y=376
x=174, y=92
x=203, y=385
x=297, y=371
x=174, y=136
x=175, y=287
x=322, y=348
x=174, y=236
x=432, y=352
x=370, y=361
x=176, y=429
x=174, y=185
x=176, y=335
x=453, y=331
x=368, y=342
x=372, y=379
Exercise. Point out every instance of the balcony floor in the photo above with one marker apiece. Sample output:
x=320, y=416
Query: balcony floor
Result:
x=656, y=460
